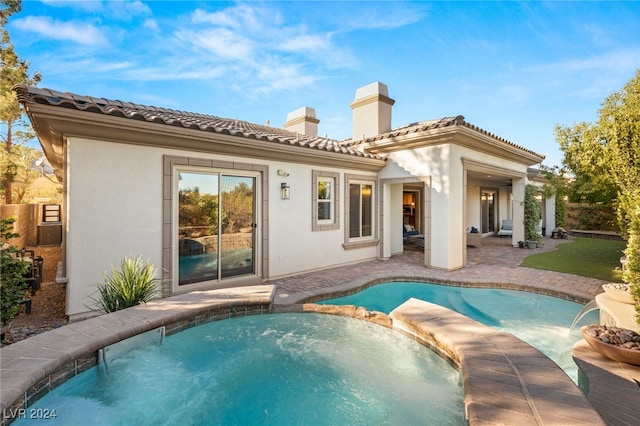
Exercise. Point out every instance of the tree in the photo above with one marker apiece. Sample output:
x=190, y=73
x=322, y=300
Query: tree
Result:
x=619, y=122
x=557, y=185
x=606, y=154
x=584, y=157
x=12, y=273
x=14, y=130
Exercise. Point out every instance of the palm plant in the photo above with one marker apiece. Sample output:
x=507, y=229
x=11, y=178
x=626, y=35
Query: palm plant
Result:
x=134, y=283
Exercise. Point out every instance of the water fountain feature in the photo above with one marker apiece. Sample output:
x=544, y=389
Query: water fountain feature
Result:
x=589, y=307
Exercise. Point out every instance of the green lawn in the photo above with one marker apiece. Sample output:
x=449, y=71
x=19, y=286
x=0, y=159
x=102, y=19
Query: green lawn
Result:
x=587, y=257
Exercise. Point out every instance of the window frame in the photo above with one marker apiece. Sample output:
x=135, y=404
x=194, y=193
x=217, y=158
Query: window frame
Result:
x=318, y=224
x=357, y=242
x=172, y=166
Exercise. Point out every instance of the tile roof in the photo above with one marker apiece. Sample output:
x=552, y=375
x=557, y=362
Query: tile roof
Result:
x=234, y=127
x=424, y=126
x=188, y=120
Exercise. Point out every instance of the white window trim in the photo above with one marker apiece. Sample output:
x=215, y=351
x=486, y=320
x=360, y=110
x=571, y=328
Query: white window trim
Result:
x=359, y=242
x=334, y=222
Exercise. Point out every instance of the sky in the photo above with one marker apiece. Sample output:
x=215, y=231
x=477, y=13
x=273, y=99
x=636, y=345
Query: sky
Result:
x=514, y=69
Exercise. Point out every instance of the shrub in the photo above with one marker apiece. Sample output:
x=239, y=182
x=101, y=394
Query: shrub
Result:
x=532, y=214
x=133, y=284
x=632, y=273
x=12, y=273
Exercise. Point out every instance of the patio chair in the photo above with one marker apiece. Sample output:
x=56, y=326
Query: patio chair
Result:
x=506, y=229
x=33, y=277
x=409, y=231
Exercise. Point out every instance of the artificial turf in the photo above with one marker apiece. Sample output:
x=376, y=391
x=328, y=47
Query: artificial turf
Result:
x=587, y=257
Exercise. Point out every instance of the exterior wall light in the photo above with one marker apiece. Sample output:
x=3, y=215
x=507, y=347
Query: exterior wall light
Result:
x=285, y=191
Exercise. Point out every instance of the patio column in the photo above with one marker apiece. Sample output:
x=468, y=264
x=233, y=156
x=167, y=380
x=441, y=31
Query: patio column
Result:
x=518, y=210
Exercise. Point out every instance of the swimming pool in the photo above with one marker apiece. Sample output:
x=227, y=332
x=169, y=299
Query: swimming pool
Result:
x=268, y=369
x=542, y=321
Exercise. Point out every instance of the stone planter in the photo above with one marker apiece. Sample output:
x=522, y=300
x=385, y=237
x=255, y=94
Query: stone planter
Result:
x=619, y=292
x=532, y=244
x=613, y=351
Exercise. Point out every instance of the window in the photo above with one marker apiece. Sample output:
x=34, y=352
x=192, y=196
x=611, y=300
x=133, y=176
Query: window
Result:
x=360, y=212
x=216, y=226
x=361, y=209
x=325, y=200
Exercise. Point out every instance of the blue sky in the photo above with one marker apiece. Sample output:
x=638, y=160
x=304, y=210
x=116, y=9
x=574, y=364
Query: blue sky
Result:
x=515, y=69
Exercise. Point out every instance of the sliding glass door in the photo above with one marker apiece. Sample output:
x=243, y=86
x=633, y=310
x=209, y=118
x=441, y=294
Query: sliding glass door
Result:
x=216, y=226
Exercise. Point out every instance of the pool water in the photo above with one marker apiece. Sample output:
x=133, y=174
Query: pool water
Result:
x=276, y=369
x=542, y=321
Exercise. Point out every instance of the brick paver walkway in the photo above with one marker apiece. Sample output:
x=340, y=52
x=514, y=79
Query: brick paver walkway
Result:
x=496, y=262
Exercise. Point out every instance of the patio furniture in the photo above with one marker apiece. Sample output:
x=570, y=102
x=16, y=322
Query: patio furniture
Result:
x=408, y=231
x=33, y=277
x=506, y=229
x=474, y=239
x=559, y=233
x=27, y=304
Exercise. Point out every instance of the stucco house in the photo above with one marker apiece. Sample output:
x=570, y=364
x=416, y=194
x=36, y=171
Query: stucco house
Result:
x=217, y=202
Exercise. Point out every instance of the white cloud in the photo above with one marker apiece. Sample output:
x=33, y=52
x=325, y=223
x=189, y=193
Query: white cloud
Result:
x=122, y=9
x=619, y=61
x=388, y=16
x=151, y=24
x=75, y=31
x=221, y=42
x=241, y=16
x=135, y=7
x=307, y=42
x=592, y=77
x=89, y=6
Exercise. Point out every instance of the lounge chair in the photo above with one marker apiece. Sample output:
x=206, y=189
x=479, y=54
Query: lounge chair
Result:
x=408, y=231
x=506, y=229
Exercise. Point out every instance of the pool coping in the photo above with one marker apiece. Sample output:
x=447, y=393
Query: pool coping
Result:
x=284, y=302
x=504, y=378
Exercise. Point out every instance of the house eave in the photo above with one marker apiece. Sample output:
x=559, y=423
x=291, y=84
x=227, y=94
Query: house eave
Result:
x=459, y=135
x=54, y=125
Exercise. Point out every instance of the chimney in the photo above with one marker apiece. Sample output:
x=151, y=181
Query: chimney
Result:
x=303, y=121
x=371, y=111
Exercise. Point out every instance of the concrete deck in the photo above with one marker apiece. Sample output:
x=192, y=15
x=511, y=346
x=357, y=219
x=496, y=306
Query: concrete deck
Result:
x=32, y=367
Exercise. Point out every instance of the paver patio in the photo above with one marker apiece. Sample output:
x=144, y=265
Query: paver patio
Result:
x=495, y=262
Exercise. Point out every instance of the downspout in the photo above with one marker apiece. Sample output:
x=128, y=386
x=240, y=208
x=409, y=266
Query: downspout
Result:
x=61, y=273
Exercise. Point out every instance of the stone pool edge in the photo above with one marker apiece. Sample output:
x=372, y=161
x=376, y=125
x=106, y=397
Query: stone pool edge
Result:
x=285, y=302
x=31, y=368
x=504, y=378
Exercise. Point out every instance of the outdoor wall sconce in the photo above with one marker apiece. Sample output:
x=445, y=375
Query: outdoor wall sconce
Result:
x=285, y=191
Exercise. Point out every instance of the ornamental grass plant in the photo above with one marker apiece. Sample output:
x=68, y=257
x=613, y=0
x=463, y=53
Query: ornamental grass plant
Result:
x=134, y=283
